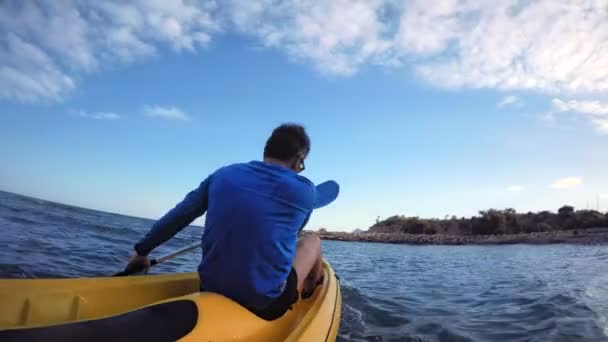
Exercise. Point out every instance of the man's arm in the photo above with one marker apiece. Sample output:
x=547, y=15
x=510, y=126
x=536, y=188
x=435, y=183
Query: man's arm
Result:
x=305, y=223
x=193, y=206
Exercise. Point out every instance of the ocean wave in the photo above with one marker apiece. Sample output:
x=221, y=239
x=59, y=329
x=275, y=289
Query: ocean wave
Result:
x=21, y=220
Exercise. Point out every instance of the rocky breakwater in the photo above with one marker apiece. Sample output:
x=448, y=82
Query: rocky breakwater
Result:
x=585, y=236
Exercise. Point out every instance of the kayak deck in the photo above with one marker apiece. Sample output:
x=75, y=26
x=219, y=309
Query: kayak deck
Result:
x=35, y=302
x=113, y=306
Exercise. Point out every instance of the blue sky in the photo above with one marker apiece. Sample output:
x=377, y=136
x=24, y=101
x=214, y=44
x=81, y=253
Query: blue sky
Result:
x=413, y=110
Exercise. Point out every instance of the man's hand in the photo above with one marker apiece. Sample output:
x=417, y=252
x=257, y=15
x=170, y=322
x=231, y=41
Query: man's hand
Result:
x=138, y=263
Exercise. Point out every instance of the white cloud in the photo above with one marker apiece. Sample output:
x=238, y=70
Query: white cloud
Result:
x=547, y=45
x=594, y=111
x=335, y=36
x=48, y=44
x=99, y=115
x=170, y=113
x=508, y=100
x=595, y=108
x=28, y=74
x=601, y=125
x=555, y=46
x=516, y=188
x=566, y=183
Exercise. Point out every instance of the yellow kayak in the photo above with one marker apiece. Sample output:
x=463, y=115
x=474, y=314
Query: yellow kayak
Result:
x=154, y=308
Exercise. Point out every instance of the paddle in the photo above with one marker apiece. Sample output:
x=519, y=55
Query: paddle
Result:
x=130, y=271
x=326, y=193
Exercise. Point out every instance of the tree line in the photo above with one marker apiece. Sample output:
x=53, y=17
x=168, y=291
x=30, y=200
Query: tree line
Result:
x=495, y=222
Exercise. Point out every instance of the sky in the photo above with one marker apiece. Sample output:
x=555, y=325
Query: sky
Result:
x=414, y=109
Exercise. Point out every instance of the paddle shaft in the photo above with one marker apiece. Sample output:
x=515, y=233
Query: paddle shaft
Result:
x=162, y=259
x=176, y=253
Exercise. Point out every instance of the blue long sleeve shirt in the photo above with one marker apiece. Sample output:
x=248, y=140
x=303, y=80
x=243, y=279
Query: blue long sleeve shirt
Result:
x=254, y=213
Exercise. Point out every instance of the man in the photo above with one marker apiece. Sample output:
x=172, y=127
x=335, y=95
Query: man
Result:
x=251, y=250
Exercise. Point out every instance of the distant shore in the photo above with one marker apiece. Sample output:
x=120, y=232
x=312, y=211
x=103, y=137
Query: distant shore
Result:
x=589, y=236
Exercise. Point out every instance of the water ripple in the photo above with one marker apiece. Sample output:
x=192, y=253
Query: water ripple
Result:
x=479, y=293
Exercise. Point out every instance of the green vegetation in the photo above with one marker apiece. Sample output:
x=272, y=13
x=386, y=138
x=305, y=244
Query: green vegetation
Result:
x=495, y=222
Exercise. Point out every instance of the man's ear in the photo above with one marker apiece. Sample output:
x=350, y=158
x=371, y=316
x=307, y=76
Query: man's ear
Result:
x=295, y=161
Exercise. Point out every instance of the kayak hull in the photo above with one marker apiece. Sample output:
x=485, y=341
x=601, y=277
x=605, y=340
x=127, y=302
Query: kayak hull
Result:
x=113, y=306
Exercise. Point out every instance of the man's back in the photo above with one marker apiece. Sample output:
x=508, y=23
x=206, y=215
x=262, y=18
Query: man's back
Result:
x=255, y=211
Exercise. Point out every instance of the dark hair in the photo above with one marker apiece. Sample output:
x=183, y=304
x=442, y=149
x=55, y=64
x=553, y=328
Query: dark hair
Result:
x=286, y=142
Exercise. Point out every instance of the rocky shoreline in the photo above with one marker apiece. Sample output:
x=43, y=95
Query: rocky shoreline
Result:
x=590, y=236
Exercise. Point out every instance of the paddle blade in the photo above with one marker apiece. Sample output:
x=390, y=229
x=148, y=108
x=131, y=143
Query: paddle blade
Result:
x=326, y=193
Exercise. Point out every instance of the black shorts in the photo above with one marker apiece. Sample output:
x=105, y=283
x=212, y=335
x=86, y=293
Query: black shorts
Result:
x=282, y=303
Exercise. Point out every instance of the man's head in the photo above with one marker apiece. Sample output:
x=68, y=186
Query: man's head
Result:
x=289, y=144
